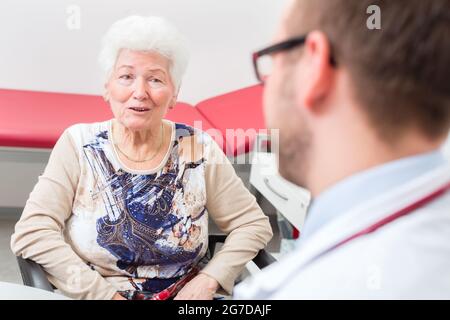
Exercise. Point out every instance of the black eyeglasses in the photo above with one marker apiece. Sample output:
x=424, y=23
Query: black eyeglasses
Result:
x=262, y=59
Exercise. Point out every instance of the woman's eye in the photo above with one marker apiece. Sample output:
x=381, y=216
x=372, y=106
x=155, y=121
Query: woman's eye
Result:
x=156, y=83
x=125, y=77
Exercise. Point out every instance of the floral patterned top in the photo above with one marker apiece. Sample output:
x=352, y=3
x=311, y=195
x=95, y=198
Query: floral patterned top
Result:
x=136, y=230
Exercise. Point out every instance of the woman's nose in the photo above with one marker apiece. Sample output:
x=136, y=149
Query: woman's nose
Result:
x=140, y=89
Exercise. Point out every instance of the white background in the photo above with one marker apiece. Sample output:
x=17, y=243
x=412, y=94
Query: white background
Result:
x=39, y=52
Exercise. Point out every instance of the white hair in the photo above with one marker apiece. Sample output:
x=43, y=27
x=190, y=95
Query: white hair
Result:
x=145, y=34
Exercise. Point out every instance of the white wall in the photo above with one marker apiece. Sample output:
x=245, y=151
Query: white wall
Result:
x=40, y=52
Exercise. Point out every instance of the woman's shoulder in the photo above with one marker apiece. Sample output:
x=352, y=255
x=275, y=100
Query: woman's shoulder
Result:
x=86, y=133
x=206, y=142
x=183, y=131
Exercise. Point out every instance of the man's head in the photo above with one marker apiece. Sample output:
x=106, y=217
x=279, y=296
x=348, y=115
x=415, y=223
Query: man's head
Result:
x=385, y=96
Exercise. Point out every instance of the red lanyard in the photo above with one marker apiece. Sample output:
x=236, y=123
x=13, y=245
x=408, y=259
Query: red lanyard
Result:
x=390, y=218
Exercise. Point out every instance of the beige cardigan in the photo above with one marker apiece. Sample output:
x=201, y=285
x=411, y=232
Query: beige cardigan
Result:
x=87, y=219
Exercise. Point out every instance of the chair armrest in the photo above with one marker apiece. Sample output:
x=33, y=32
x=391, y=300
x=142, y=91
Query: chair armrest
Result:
x=262, y=259
x=213, y=239
x=33, y=275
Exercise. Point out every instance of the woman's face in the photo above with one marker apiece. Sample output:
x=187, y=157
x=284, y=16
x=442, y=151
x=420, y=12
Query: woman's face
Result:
x=140, y=89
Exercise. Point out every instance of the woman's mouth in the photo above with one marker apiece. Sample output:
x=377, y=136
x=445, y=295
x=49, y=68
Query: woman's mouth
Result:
x=140, y=109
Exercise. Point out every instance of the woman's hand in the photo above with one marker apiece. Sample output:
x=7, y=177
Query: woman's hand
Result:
x=118, y=296
x=202, y=287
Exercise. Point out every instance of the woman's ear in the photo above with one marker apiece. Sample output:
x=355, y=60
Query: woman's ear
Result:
x=106, y=93
x=173, y=101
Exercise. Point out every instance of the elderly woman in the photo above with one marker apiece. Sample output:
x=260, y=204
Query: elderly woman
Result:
x=122, y=208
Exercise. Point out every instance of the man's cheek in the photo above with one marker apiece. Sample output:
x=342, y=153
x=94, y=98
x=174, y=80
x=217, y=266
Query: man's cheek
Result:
x=270, y=112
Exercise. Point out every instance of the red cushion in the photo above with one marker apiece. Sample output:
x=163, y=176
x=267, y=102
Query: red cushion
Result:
x=241, y=109
x=33, y=119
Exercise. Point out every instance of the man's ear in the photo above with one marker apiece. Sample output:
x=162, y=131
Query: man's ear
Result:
x=317, y=69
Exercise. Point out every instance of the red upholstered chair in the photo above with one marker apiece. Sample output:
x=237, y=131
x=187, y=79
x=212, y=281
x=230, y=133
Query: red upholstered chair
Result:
x=241, y=109
x=32, y=119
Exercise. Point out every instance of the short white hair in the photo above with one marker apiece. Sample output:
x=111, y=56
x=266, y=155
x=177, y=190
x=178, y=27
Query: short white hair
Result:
x=145, y=34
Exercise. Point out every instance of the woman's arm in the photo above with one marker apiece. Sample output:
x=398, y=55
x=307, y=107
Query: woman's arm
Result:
x=235, y=211
x=39, y=233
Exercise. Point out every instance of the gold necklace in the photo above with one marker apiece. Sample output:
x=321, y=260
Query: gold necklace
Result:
x=145, y=160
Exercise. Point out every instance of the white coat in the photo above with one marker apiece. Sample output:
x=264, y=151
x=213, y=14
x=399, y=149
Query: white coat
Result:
x=408, y=258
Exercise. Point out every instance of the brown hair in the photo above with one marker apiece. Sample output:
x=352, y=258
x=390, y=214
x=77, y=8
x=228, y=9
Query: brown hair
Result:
x=401, y=72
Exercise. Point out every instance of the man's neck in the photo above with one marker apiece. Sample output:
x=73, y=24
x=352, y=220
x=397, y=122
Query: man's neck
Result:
x=345, y=159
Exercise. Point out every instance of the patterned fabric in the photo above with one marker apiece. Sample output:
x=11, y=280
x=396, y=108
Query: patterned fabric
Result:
x=167, y=293
x=149, y=226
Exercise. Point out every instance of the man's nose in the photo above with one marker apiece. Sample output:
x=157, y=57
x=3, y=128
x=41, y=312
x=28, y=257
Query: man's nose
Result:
x=140, y=89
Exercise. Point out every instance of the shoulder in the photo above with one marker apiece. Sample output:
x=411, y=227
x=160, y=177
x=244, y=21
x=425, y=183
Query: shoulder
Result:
x=421, y=236
x=87, y=133
x=183, y=131
x=195, y=137
x=407, y=258
x=194, y=145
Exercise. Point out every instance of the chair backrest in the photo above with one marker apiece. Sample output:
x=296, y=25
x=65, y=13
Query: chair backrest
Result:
x=240, y=109
x=34, y=119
